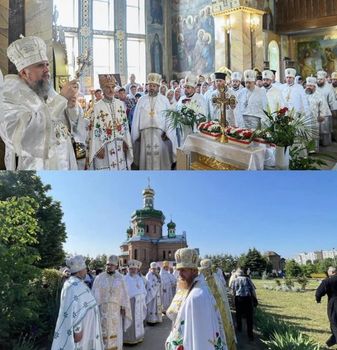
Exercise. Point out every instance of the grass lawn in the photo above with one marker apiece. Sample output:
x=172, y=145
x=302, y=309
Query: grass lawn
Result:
x=299, y=309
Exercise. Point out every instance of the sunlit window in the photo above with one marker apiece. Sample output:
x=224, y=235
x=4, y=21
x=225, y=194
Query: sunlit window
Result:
x=104, y=58
x=72, y=52
x=136, y=58
x=135, y=14
x=66, y=13
x=103, y=15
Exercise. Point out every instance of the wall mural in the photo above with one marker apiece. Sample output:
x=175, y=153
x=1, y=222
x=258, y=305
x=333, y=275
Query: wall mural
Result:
x=317, y=55
x=155, y=32
x=193, y=46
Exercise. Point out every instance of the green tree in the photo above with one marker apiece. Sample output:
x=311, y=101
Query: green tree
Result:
x=18, y=233
x=51, y=233
x=323, y=265
x=254, y=261
x=292, y=269
x=226, y=262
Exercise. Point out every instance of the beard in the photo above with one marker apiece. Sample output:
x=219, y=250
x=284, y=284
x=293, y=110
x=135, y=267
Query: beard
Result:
x=309, y=91
x=153, y=93
x=334, y=84
x=41, y=87
x=320, y=84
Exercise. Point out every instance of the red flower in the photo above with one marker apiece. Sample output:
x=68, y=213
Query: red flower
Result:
x=283, y=110
x=180, y=347
x=109, y=131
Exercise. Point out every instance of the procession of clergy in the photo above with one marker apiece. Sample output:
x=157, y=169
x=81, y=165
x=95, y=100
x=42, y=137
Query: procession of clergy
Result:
x=114, y=311
x=127, y=128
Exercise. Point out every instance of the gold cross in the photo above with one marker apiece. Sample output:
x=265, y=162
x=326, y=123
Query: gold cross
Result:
x=222, y=101
x=151, y=114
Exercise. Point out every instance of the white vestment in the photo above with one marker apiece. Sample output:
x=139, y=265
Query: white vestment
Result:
x=109, y=131
x=78, y=313
x=294, y=97
x=253, y=104
x=153, y=298
x=148, y=127
x=198, y=324
x=328, y=92
x=111, y=294
x=233, y=116
x=137, y=294
x=34, y=130
x=168, y=282
x=275, y=99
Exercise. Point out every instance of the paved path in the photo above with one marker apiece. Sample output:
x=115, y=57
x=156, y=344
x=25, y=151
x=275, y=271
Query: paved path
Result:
x=155, y=337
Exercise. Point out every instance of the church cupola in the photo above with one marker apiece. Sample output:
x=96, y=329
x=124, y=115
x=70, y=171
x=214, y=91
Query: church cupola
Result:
x=171, y=229
x=129, y=232
x=140, y=228
x=148, y=198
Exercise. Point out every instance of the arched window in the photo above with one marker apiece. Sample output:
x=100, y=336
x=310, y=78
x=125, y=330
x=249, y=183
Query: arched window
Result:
x=169, y=254
x=164, y=255
x=274, y=57
x=135, y=254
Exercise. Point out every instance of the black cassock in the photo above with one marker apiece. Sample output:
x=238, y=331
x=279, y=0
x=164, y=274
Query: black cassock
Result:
x=329, y=287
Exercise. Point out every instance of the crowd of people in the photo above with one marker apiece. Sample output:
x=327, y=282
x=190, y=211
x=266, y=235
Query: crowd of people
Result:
x=126, y=128
x=112, y=308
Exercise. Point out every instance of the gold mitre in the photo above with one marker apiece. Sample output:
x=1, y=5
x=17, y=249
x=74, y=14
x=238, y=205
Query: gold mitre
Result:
x=186, y=258
x=27, y=51
x=166, y=264
x=334, y=75
x=154, y=78
x=206, y=264
x=134, y=264
x=106, y=80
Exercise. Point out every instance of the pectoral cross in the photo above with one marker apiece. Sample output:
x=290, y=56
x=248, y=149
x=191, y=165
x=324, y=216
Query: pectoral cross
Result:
x=222, y=101
x=151, y=114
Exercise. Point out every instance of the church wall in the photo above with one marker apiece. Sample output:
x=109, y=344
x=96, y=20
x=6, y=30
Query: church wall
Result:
x=192, y=34
x=4, y=8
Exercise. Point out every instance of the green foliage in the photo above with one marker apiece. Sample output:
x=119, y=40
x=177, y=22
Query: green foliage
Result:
x=302, y=281
x=24, y=343
x=188, y=115
x=97, y=263
x=226, y=262
x=292, y=269
x=18, y=232
x=289, y=282
x=254, y=261
x=279, y=335
x=51, y=232
x=278, y=283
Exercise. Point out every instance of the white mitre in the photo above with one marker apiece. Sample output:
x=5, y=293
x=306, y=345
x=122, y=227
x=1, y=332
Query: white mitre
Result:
x=250, y=75
x=76, y=263
x=153, y=78
x=27, y=51
x=153, y=265
x=267, y=74
x=321, y=74
x=136, y=264
x=290, y=72
x=112, y=259
x=186, y=258
x=311, y=81
x=236, y=76
x=191, y=80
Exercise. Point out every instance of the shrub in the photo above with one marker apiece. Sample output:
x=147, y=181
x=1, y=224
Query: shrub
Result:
x=278, y=283
x=303, y=282
x=318, y=275
x=289, y=282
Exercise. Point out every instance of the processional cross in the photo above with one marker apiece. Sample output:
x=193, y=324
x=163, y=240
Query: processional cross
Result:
x=222, y=101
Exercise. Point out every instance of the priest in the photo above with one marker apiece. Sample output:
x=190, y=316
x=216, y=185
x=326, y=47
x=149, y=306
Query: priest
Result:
x=112, y=297
x=137, y=294
x=154, y=295
x=33, y=123
x=109, y=144
x=78, y=323
x=168, y=283
x=154, y=139
x=274, y=95
x=198, y=323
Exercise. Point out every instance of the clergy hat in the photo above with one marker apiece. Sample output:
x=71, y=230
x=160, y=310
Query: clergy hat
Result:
x=311, y=81
x=267, y=74
x=153, y=78
x=113, y=260
x=27, y=51
x=206, y=263
x=76, y=263
x=166, y=264
x=106, y=80
x=321, y=74
x=191, y=80
x=186, y=258
x=290, y=73
x=249, y=75
x=236, y=76
x=136, y=264
x=334, y=75
x=220, y=76
x=273, y=70
x=153, y=265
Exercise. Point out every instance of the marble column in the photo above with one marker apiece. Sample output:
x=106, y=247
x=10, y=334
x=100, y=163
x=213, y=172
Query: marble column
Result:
x=243, y=38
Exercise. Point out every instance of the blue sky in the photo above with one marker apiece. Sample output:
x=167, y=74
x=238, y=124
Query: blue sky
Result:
x=221, y=212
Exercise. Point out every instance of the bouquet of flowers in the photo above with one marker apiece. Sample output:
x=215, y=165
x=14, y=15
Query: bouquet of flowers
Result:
x=239, y=134
x=211, y=128
x=285, y=127
x=188, y=115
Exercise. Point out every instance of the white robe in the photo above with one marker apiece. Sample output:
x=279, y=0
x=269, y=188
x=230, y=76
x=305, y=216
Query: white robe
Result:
x=294, y=97
x=109, y=129
x=33, y=130
x=136, y=290
x=78, y=313
x=151, y=152
x=111, y=294
x=275, y=99
x=153, y=298
x=168, y=282
x=198, y=324
x=327, y=91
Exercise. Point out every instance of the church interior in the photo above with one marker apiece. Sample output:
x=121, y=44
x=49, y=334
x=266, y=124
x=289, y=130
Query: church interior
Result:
x=174, y=38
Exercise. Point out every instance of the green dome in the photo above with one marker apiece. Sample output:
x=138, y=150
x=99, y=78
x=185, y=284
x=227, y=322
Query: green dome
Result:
x=129, y=231
x=171, y=225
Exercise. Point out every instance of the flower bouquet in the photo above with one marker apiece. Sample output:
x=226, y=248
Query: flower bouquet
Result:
x=239, y=136
x=211, y=129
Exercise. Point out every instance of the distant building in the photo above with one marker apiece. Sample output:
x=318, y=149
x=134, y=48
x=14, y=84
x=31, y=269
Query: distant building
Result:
x=304, y=258
x=145, y=239
x=275, y=260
